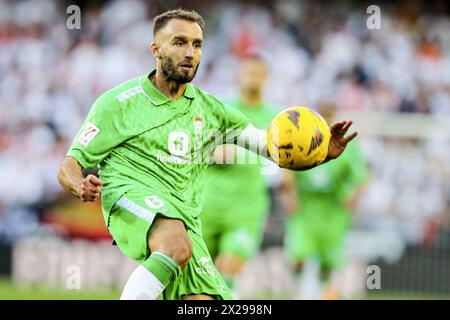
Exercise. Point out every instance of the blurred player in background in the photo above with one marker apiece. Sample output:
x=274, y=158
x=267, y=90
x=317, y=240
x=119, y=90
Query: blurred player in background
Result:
x=327, y=196
x=236, y=199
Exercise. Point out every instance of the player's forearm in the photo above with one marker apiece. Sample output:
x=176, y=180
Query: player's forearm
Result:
x=255, y=140
x=71, y=176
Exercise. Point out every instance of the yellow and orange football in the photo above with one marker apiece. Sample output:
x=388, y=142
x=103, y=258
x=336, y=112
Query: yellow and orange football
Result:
x=298, y=138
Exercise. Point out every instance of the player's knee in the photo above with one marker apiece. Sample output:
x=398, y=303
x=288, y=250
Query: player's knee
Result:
x=183, y=253
x=179, y=250
x=169, y=236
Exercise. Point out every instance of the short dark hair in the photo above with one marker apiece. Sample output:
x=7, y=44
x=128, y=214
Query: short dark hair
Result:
x=161, y=20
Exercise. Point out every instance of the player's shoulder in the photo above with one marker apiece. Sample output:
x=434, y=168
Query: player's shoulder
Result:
x=123, y=91
x=113, y=101
x=208, y=97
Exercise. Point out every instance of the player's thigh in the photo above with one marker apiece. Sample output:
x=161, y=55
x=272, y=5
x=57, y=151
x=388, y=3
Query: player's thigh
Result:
x=129, y=232
x=169, y=236
x=132, y=218
x=199, y=277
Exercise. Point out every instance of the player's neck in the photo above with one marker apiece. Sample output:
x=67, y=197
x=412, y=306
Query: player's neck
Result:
x=252, y=99
x=170, y=89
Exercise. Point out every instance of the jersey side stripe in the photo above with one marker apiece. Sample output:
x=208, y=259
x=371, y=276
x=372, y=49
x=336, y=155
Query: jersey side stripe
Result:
x=136, y=209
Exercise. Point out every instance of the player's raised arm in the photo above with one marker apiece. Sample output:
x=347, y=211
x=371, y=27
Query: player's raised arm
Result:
x=71, y=178
x=255, y=140
x=338, y=140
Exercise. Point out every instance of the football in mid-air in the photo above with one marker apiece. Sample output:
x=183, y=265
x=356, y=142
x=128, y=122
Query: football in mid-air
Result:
x=298, y=138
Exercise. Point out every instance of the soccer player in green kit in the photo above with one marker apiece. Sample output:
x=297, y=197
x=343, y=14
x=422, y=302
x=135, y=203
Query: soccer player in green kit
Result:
x=152, y=138
x=317, y=229
x=236, y=199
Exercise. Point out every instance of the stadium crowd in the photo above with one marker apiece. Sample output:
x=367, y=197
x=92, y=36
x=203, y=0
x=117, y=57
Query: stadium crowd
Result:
x=318, y=53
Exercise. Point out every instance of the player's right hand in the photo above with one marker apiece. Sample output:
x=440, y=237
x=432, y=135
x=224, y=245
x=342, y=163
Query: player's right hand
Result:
x=90, y=188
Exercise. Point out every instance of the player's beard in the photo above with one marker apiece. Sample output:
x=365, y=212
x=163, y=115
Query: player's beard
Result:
x=169, y=69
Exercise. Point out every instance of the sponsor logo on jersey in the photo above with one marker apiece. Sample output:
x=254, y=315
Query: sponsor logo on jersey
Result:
x=88, y=134
x=172, y=159
x=178, y=144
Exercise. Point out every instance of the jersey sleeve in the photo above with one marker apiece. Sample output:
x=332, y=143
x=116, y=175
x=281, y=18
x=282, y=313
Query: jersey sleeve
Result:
x=233, y=123
x=100, y=133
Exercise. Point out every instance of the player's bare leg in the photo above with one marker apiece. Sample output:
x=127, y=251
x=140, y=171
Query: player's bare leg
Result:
x=171, y=249
x=169, y=236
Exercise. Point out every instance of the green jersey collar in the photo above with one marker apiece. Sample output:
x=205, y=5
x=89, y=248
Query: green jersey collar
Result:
x=156, y=96
x=189, y=92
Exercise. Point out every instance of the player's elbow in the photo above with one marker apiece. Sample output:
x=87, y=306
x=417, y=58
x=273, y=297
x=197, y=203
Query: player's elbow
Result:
x=61, y=174
x=66, y=167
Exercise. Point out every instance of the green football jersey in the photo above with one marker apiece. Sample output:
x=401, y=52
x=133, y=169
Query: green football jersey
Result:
x=140, y=139
x=324, y=189
x=239, y=189
x=319, y=226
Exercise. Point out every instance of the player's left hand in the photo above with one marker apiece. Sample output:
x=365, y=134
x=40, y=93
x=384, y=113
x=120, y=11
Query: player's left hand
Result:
x=338, y=141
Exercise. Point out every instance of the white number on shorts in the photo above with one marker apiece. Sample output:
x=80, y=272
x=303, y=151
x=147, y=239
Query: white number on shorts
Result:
x=154, y=202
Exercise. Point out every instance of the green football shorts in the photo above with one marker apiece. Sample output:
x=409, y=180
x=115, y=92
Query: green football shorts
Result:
x=311, y=240
x=129, y=222
x=241, y=238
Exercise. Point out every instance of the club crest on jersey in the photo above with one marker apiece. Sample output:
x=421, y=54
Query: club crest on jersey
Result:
x=88, y=134
x=198, y=125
